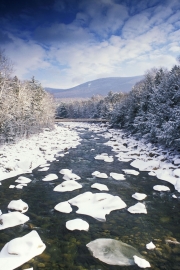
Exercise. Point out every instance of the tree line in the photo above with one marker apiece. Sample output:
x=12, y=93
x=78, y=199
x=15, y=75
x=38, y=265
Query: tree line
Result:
x=25, y=107
x=151, y=110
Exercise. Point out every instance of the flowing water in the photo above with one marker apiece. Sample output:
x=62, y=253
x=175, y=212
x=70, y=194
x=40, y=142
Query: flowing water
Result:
x=67, y=249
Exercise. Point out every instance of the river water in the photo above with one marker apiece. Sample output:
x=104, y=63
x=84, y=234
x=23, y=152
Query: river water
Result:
x=67, y=249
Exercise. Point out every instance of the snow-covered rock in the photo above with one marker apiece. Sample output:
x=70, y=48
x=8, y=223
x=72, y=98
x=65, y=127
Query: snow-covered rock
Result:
x=117, y=176
x=50, y=177
x=65, y=171
x=130, y=172
x=18, y=205
x=150, y=246
x=139, y=196
x=68, y=185
x=20, y=250
x=77, y=224
x=161, y=188
x=63, y=207
x=71, y=176
x=138, y=208
x=12, y=219
x=142, y=263
x=23, y=180
x=100, y=187
x=97, y=205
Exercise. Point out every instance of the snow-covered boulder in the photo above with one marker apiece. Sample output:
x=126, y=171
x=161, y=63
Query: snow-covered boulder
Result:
x=139, y=196
x=63, y=207
x=68, y=185
x=71, y=176
x=101, y=187
x=65, y=171
x=50, y=177
x=12, y=219
x=142, y=263
x=20, y=250
x=77, y=224
x=97, y=205
x=138, y=208
x=117, y=176
x=23, y=180
x=130, y=172
x=150, y=246
x=18, y=205
x=161, y=188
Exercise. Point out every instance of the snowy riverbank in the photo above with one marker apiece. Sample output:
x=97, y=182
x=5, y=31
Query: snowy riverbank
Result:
x=28, y=154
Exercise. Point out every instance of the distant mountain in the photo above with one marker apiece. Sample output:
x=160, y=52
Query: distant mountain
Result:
x=97, y=87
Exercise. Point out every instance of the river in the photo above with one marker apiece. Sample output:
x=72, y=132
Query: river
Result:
x=67, y=249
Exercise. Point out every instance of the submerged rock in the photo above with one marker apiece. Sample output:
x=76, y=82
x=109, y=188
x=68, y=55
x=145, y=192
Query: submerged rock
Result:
x=112, y=251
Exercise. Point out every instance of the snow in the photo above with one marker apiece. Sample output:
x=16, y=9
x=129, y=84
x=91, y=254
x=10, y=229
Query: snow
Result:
x=112, y=252
x=18, y=205
x=23, y=180
x=105, y=157
x=117, y=176
x=71, y=176
x=100, y=187
x=130, y=172
x=97, y=205
x=50, y=177
x=150, y=246
x=142, y=263
x=12, y=219
x=28, y=154
x=77, y=224
x=65, y=171
x=63, y=207
x=20, y=250
x=68, y=185
x=161, y=188
x=139, y=196
x=138, y=208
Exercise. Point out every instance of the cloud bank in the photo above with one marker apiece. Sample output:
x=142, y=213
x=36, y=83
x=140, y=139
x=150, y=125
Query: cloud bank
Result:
x=65, y=43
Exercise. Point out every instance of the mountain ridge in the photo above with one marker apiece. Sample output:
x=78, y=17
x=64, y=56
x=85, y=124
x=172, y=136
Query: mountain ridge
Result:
x=96, y=87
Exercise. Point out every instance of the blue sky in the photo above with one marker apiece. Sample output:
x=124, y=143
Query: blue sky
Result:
x=64, y=43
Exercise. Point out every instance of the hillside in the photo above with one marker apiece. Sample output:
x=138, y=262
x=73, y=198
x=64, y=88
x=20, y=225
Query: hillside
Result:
x=96, y=87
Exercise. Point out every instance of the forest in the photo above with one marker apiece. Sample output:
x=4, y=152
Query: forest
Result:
x=151, y=110
x=25, y=107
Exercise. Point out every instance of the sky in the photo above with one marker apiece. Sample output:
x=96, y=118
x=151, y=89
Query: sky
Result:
x=64, y=43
